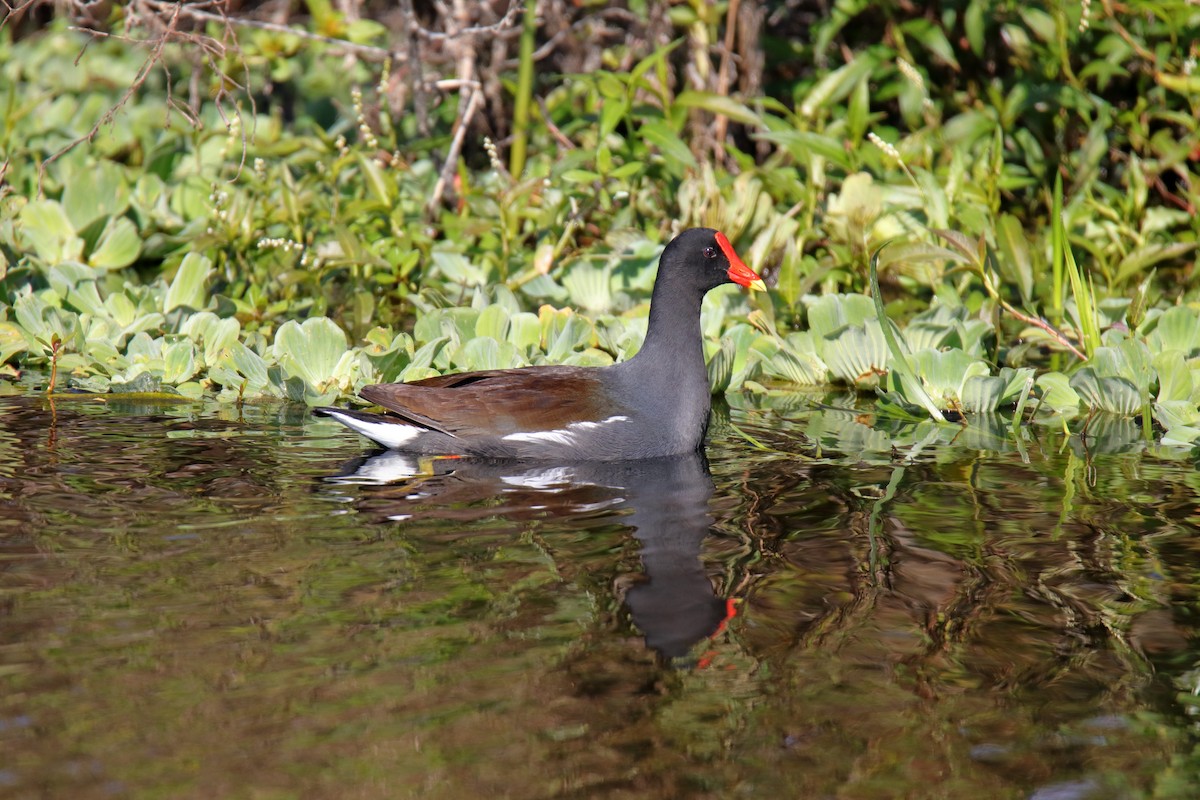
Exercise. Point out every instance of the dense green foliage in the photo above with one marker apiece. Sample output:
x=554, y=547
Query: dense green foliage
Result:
x=294, y=252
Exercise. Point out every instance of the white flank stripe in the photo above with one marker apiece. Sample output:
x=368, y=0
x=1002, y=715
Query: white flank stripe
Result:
x=562, y=436
x=388, y=434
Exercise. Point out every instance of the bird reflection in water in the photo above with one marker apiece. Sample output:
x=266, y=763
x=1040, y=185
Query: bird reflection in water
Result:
x=664, y=501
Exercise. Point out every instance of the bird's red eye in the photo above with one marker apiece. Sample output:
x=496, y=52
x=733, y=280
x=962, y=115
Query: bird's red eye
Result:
x=710, y=252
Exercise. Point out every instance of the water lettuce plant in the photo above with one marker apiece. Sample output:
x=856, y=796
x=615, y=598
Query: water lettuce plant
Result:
x=1039, y=263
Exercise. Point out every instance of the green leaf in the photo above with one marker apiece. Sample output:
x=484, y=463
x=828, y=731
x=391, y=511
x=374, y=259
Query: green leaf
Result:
x=1116, y=395
x=831, y=312
x=486, y=353
x=589, y=285
x=611, y=114
x=12, y=341
x=580, y=176
x=858, y=114
x=718, y=104
x=1041, y=23
x=1174, y=377
x=909, y=382
x=836, y=85
x=1146, y=256
x=1057, y=393
x=456, y=268
x=312, y=350
x=94, y=191
x=799, y=368
x=974, y=21
x=674, y=151
x=575, y=333
x=805, y=145
x=720, y=367
x=250, y=366
x=46, y=226
x=943, y=374
x=1183, y=435
x=188, y=286
x=493, y=323
x=525, y=331
x=382, y=189
x=656, y=58
x=1188, y=85
x=179, y=361
x=1178, y=328
x=118, y=246
x=366, y=31
x=857, y=355
x=932, y=38
x=215, y=333
x=982, y=393
x=918, y=252
x=962, y=244
x=627, y=170
x=1013, y=244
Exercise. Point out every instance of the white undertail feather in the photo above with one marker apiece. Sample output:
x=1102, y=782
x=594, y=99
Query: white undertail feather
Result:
x=388, y=434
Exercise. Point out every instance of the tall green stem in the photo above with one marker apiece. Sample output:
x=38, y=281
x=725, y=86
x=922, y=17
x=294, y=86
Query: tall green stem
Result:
x=1056, y=252
x=520, y=125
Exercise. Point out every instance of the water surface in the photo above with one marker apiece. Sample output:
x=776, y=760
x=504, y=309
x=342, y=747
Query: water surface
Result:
x=215, y=602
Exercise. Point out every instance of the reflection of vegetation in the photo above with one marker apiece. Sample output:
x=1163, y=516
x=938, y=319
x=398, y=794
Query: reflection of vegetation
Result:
x=981, y=616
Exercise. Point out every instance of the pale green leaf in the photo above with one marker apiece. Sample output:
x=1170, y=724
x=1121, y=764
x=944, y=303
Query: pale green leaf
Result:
x=674, y=151
x=45, y=225
x=312, y=350
x=718, y=104
x=188, y=286
x=118, y=246
x=1057, y=393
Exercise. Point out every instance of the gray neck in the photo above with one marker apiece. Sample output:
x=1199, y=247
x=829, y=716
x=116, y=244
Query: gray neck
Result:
x=668, y=372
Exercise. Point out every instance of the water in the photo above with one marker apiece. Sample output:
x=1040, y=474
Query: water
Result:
x=211, y=602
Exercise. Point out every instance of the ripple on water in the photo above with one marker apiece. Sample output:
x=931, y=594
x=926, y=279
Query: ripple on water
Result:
x=204, y=601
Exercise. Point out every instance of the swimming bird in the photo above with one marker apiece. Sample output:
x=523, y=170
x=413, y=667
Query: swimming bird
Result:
x=655, y=404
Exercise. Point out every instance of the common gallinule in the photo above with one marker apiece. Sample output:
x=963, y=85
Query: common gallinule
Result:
x=654, y=404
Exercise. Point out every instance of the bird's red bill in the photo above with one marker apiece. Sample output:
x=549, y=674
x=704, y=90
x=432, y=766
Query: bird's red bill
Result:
x=739, y=273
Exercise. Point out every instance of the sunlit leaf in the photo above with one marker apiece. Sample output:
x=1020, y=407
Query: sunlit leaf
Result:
x=1057, y=393
x=188, y=286
x=311, y=350
x=179, y=361
x=718, y=104
x=673, y=149
x=1148, y=255
x=12, y=341
x=493, y=322
x=46, y=226
x=95, y=191
x=1115, y=395
x=1013, y=243
x=1178, y=328
x=118, y=246
x=720, y=367
x=836, y=85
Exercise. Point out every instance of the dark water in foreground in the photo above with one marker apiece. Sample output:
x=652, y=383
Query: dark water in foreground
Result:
x=191, y=607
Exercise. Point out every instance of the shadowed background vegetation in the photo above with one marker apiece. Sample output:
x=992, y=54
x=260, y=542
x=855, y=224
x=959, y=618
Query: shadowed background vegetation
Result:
x=286, y=200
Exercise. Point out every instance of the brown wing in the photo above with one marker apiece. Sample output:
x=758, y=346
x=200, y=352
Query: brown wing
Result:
x=498, y=402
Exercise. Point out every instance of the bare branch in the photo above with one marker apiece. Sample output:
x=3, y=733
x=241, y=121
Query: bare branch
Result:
x=507, y=21
x=451, y=164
